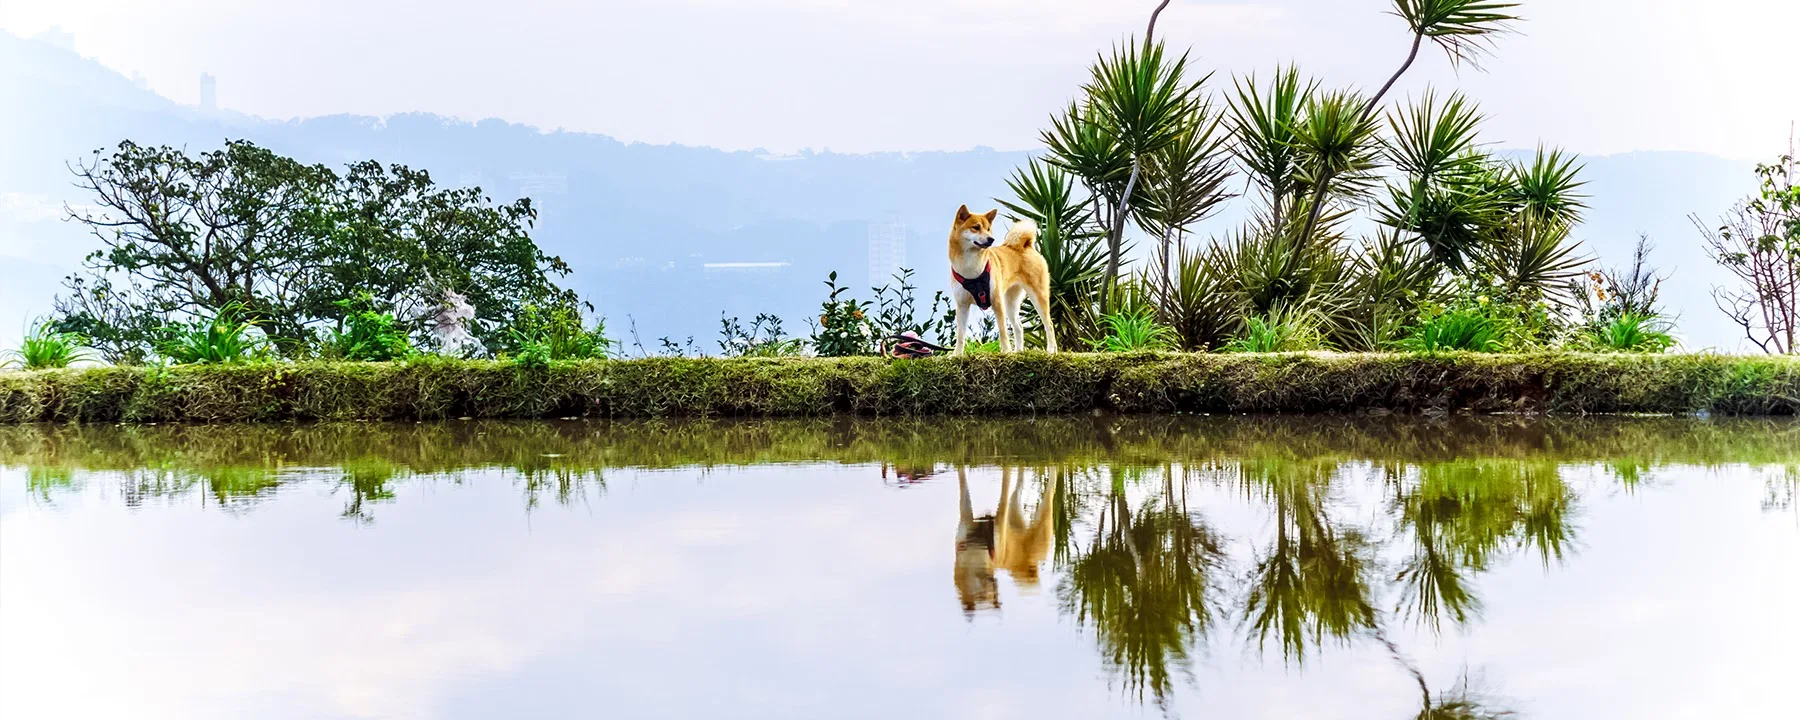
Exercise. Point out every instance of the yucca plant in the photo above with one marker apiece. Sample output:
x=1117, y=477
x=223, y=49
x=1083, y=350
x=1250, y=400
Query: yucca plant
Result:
x=1533, y=259
x=1262, y=128
x=1266, y=270
x=1135, y=102
x=45, y=347
x=1198, y=302
x=1547, y=188
x=225, y=337
x=1339, y=149
x=1464, y=29
x=1389, y=280
x=1184, y=183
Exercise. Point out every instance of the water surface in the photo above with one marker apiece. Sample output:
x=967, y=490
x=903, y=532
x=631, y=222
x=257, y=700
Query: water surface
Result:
x=1074, y=567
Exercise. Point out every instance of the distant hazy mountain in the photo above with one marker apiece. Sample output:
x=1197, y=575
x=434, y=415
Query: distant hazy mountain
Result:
x=671, y=236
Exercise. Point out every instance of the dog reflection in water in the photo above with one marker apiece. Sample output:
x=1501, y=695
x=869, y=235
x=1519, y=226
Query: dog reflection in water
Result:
x=1007, y=540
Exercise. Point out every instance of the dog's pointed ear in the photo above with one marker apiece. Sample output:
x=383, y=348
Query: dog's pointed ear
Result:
x=991, y=214
x=962, y=213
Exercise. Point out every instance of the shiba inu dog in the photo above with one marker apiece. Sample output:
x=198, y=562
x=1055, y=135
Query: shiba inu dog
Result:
x=985, y=273
x=1006, y=540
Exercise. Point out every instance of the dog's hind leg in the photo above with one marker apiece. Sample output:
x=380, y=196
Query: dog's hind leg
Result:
x=1015, y=309
x=1001, y=321
x=1041, y=303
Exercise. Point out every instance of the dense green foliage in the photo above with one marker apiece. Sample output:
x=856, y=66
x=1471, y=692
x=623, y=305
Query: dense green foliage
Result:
x=844, y=328
x=185, y=235
x=366, y=335
x=557, y=332
x=1024, y=383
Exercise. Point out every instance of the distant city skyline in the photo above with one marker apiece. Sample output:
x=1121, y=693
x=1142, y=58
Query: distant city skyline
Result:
x=1595, y=76
x=887, y=250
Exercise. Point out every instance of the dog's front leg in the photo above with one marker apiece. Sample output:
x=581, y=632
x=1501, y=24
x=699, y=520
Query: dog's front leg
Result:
x=962, y=320
x=1001, y=318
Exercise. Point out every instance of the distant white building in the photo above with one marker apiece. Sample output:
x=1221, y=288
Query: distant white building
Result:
x=742, y=267
x=538, y=184
x=887, y=250
x=209, y=86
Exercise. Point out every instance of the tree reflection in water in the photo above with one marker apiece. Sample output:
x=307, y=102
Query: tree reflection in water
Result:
x=1145, y=584
x=1151, y=582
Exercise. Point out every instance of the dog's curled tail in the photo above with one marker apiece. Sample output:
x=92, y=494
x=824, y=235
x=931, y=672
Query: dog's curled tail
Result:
x=1023, y=234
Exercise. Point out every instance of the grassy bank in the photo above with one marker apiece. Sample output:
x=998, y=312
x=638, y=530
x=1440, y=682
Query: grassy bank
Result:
x=980, y=385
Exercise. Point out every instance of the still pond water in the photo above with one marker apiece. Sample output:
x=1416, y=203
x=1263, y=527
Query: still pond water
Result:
x=1075, y=567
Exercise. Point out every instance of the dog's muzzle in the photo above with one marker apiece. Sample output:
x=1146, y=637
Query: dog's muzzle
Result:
x=985, y=243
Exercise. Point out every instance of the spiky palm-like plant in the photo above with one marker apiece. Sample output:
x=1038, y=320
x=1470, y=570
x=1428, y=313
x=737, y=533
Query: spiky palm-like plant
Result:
x=1262, y=127
x=1389, y=280
x=1134, y=106
x=1185, y=183
x=1463, y=28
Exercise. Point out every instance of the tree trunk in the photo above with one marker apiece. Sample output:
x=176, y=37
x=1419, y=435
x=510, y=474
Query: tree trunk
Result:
x=1151, y=30
x=1324, y=182
x=1115, y=239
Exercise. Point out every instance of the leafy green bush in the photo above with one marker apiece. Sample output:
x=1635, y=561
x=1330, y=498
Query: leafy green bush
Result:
x=764, y=338
x=367, y=335
x=1133, y=328
x=844, y=327
x=1628, y=332
x=557, y=333
x=226, y=337
x=44, y=347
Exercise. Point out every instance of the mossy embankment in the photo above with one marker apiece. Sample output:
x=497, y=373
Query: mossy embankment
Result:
x=1029, y=383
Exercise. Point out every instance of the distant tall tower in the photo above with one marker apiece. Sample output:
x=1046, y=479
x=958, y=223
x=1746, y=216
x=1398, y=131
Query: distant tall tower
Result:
x=887, y=250
x=209, y=86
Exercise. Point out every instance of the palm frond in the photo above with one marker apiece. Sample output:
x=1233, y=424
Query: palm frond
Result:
x=1082, y=142
x=1338, y=144
x=1430, y=139
x=1536, y=260
x=1185, y=180
x=1546, y=188
x=1262, y=124
x=1143, y=94
x=1463, y=28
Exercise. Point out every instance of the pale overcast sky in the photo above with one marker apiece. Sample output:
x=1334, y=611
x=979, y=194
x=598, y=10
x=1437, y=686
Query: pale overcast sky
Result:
x=1597, y=76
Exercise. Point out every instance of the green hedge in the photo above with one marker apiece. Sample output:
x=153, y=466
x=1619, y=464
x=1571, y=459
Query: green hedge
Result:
x=1029, y=383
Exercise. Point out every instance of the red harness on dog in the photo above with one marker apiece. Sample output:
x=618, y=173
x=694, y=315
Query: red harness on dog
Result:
x=977, y=286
